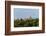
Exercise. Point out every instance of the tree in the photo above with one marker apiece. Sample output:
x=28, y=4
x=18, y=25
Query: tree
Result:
x=26, y=23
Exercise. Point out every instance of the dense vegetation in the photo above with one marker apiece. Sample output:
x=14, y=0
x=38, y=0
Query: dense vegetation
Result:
x=26, y=22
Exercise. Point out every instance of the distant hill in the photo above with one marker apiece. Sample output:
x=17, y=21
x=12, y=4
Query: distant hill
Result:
x=29, y=17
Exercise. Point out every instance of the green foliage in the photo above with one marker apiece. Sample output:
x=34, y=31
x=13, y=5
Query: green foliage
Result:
x=26, y=22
